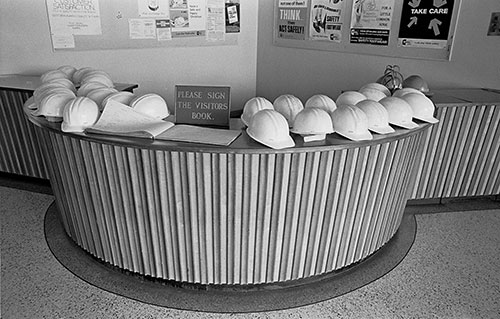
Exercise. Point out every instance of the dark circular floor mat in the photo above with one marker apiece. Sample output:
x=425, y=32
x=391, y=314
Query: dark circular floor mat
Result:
x=220, y=299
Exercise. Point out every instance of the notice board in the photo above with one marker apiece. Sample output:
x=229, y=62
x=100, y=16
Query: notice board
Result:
x=421, y=29
x=124, y=24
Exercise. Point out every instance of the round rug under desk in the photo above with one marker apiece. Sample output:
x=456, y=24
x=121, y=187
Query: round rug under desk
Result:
x=226, y=298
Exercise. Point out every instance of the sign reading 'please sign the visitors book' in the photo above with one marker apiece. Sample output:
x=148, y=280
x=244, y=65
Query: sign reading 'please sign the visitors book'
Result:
x=202, y=105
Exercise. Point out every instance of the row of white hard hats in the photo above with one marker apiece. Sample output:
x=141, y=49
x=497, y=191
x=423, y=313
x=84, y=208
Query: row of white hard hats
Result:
x=352, y=115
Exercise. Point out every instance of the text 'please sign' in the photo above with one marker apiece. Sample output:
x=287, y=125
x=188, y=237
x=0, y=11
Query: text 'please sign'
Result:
x=202, y=105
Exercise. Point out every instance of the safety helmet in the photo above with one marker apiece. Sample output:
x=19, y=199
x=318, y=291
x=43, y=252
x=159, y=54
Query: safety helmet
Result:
x=98, y=95
x=150, y=104
x=52, y=106
x=89, y=86
x=270, y=128
x=253, y=106
x=68, y=69
x=378, y=118
x=53, y=74
x=372, y=94
x=351, y=122
x=417, y=82
x=97, y=76
x=400, y=112
x=289, y=106
x=350, y=98
x=403, y=91
x=77, y=76
x=422, y=106
x=321, y=101
x=312, y=120
x=374, y=85
x=48, y=88
x=64, y=82
x=79, y=114
x=124, y=97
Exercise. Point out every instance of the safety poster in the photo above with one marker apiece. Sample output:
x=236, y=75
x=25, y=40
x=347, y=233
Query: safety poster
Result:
x=412, y=28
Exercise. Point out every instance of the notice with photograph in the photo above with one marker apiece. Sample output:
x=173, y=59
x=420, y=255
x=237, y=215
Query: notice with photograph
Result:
x=325, y=22
x=153, y=8
x=188, y=18
x=371, y=21
x=292, y=19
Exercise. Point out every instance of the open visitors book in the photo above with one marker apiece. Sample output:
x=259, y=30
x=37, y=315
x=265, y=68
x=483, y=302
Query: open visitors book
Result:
x=122, y=120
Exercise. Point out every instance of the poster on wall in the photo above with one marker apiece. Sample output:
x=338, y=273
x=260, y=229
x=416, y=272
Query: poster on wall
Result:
x=371, y=21
x=232, y=16
x=78, y=17
x=425, y=24
x=292, y=17
x=326, y=20
x=153, y=8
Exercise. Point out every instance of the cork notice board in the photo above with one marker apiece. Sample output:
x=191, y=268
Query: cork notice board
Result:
x=113, y=24
x=421, y=29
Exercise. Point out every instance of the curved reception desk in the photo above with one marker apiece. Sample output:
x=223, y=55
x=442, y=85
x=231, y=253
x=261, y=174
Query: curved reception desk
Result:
x=237, y=215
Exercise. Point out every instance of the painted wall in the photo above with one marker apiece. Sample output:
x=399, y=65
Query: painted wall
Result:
x=25, y=48
x=475, y=60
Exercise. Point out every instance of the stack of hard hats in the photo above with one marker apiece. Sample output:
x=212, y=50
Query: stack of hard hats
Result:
x=269, y=127
x=254, y=105
x=312, y=123
x=351, y=122
x=124, y=97
x=79, y=114
x=289, y=106
x=99, y=94
x=321, y=101
x=150, y=104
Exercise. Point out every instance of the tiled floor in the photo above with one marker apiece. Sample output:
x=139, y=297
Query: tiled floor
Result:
x=451, y=271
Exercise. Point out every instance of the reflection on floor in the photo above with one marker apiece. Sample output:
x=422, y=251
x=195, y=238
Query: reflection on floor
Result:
x=451, y=270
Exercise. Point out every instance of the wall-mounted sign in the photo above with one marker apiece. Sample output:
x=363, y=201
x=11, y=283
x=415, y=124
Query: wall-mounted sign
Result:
x=202, y=105
x=326, y=20
x=371, y=21
x=425, y=23
x=292, y=17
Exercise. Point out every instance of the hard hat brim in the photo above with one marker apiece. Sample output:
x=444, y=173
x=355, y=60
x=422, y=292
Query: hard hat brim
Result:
x=362, y=136
x=277, y=145
x=65, y=127
x=431, y=119
x=382, y=129
x=408, y=125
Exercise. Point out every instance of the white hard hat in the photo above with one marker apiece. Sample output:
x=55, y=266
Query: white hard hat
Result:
x=97, y=76
x=312, y=120
x=47, y=88
x=400, y=112
x=374, y=85
x=422, y=106
x=98, y=95
x=321, y=101
x=351, y=122
x=68, y=69
x=150, y=104
x=79, y=114
x=289, y=106
x=350, y=98
x=78, y=74
x=89, y=86
x=378, y=118
x=270, y=128
x=52, y=106
x=53, y=74
x=124, y=97
x=253, y=106
x=372, y=94
x=64, y=82
x=403, y=91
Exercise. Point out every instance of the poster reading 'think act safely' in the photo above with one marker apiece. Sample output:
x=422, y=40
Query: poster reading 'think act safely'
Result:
x=292, y=18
